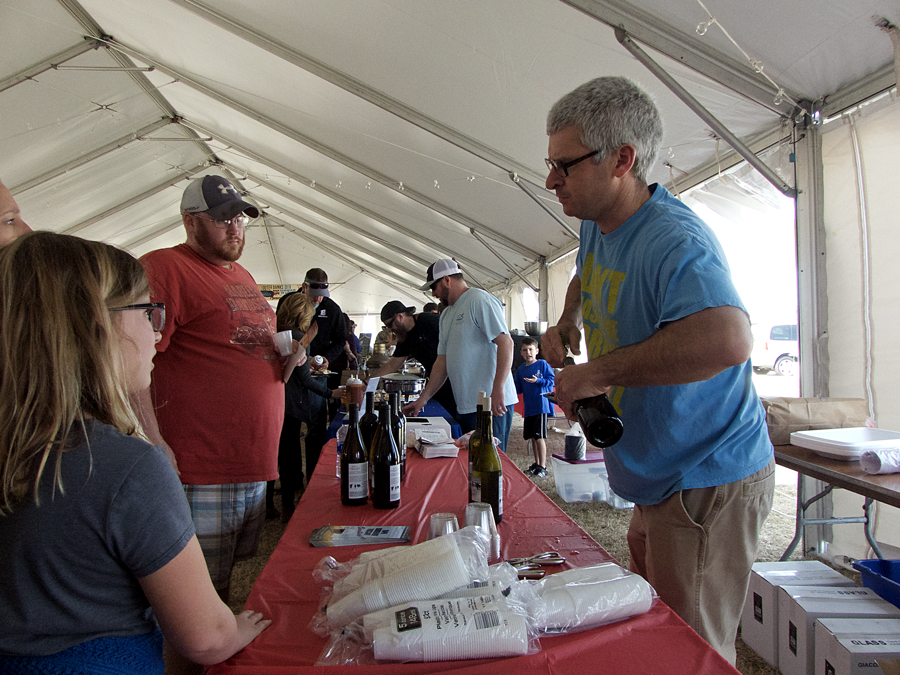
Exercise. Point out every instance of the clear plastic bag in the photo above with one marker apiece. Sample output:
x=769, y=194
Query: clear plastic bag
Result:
x=447, y=629
x=399, y=575
x=586, y=597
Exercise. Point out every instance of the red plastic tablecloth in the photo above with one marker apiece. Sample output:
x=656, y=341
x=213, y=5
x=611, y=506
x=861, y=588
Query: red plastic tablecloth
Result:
x=656, y=642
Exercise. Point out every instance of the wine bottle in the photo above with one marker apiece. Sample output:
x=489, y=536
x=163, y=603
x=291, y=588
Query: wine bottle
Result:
x=354, y=463
x=398, y=424
x=599, y=421
x=369, y=421
x=384, y=467
x=475, y=439
x=487, y=472
x=597, y=416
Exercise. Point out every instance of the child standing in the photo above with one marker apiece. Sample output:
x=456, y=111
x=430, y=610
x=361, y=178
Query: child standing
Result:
x=534, y=378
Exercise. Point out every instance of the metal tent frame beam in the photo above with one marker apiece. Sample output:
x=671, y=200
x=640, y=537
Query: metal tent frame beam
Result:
x=339, y=198
x=357, y=88
x=91, y=156
x=134, y=200
x=335, y=219
x=48, y=64
x=349, y=162
x=649, y=30
x=363, y=266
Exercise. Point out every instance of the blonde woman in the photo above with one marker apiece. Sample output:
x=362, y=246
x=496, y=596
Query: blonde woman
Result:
x=97, y=545
x=305, y=397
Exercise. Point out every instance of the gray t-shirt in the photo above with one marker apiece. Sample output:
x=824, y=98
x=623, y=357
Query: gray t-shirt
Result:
x=70, y=567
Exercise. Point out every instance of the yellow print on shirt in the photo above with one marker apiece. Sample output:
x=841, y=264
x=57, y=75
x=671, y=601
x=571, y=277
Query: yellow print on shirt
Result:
x=600, y=288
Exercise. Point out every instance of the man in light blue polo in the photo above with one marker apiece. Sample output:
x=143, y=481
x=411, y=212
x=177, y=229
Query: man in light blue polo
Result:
x=475, y=351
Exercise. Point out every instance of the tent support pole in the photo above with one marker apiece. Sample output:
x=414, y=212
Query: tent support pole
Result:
x=811, y=269
x=537, y=200
x=543, y=291
x=704, y=114
x=503, y=260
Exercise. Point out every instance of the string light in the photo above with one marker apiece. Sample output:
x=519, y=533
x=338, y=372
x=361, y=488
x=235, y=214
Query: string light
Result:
x=757, y=65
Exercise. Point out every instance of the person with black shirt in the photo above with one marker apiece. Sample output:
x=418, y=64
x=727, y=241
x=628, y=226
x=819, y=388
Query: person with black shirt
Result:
x=418, y=336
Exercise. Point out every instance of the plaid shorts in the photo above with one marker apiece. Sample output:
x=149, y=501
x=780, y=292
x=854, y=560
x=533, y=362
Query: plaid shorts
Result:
x=229, y=521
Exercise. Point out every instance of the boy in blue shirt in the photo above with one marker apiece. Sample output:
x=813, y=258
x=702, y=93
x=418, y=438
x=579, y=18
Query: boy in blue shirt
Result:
x=533, y=379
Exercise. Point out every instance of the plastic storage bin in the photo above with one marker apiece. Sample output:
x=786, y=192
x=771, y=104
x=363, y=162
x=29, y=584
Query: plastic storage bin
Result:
x=585, y=480
x=882, y=576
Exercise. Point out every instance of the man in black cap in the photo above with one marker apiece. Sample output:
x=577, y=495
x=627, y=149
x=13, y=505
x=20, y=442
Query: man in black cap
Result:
x=217, y=389
x=417, y=336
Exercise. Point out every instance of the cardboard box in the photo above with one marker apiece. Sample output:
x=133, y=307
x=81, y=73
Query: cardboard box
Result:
x=800, y=606
x=759, y=620
x=854, y=646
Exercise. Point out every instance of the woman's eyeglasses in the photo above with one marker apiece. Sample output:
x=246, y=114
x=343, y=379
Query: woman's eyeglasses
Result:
x=155, y=311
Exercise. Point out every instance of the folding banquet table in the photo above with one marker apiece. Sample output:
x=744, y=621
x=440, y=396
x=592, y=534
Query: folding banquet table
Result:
x=655, y=642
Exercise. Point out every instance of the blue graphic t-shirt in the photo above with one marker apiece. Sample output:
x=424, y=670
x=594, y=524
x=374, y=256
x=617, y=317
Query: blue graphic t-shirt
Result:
x=661, y=265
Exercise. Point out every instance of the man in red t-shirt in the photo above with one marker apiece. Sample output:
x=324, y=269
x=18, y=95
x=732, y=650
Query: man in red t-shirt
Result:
x=217, y=391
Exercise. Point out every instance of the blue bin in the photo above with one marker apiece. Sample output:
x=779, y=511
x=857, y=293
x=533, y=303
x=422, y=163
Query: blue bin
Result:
x=882, y=576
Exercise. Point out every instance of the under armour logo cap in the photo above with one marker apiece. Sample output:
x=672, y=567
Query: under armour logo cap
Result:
x=438, y=270
x=216, y=197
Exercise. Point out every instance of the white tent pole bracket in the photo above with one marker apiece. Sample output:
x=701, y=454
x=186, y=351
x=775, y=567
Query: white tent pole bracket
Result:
x=537, y=200
x=504, y=261
x=704, y=114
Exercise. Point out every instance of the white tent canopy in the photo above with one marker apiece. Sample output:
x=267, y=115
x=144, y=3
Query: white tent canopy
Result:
x=380, y=136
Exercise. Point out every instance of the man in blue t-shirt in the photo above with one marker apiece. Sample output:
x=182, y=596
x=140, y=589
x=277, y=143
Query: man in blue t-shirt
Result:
x=669, y=342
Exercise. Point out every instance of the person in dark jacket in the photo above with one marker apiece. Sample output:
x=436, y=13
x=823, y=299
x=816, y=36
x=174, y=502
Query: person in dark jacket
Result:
x=305, y=400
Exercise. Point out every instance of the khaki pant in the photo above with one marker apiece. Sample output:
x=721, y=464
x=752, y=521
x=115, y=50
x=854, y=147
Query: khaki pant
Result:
x=696, y=549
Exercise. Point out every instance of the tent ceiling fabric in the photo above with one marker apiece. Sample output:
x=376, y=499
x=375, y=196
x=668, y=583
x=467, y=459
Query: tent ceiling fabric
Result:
x=377, y=136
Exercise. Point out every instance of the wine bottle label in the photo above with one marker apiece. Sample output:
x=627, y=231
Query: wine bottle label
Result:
x=395, y=482
x=475, y=488
x=358, y=480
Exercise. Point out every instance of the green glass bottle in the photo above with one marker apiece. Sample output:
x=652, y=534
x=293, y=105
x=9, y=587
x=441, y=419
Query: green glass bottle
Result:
x=487, y=472
x=354, y=463
x=475, y=440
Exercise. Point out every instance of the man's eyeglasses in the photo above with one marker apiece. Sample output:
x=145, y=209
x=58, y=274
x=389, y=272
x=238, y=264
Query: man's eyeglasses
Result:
x=155, y=311
x=317, y=286
x=239, y=221
x=562, y=168
x=389, y=324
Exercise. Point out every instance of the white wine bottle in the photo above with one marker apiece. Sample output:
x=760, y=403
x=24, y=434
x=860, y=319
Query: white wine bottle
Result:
x=487, y=472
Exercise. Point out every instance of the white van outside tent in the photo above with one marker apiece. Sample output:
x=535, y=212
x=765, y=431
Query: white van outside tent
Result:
x=377, y=137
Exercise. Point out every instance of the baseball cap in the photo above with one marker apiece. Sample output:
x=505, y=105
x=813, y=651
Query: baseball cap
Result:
x=317, y=288
x=393, y=308
x=217, y=197
x=438, y=270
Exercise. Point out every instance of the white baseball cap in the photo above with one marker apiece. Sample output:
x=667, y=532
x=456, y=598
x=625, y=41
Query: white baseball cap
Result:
x=438, y=270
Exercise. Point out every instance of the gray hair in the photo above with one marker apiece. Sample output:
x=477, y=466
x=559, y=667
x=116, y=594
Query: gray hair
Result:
x=611, y=111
